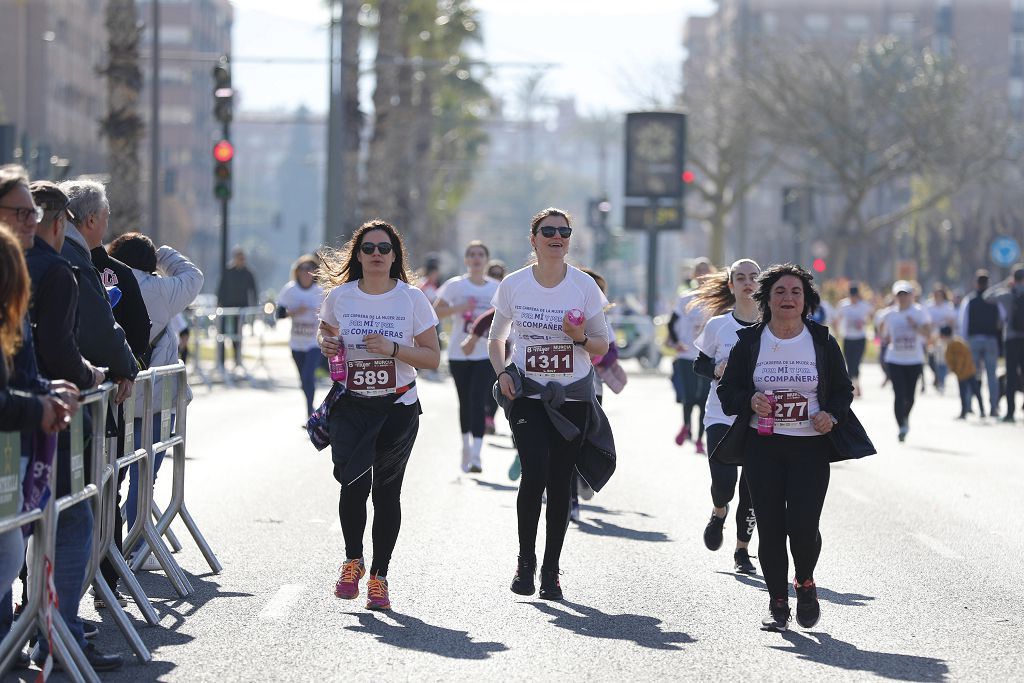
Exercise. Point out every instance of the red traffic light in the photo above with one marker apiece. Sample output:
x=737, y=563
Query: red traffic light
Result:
x=818, y=265
x=688, y=177
x=223, y=151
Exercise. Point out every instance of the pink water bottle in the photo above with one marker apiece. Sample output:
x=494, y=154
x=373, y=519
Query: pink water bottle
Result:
x=766, y=425
x=576, y=316
x=339, y=369
x=470, y=313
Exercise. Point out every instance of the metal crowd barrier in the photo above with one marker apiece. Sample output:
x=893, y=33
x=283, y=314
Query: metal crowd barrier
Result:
x=207, y=334
x=101, y=491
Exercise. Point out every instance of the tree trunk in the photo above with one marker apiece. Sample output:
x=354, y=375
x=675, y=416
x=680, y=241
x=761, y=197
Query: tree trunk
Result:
x=350, y=36
x=123, y=125
x=381, y=188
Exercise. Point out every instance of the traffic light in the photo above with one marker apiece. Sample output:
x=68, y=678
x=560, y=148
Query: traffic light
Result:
x=819, y=265
x=223, y=94
x=223, y=153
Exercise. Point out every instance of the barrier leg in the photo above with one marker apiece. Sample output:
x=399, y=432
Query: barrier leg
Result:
x=133, y=586
x=174, y=573
x=193, y=529
x=121, y=619
x=75, y=663
x=172, y=539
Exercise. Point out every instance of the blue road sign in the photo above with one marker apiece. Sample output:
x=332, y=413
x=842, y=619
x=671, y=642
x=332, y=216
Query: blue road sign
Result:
x=1005, y=251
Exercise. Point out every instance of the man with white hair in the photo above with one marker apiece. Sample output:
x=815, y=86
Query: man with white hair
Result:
x=100, y=338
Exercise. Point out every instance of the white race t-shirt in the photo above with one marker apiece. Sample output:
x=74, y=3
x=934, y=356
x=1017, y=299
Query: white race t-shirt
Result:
x=539, y=346
x=716, y=341
x=304, y=324
x=906, y=345
x=688, y=325
x=457, y=291
x=942, y=315
x=399, y=315
x=787, y=367
x=853, y=318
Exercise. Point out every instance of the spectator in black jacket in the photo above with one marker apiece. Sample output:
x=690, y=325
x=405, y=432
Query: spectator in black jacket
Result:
x=237, y=289
x=102, y=340
x=55, y=311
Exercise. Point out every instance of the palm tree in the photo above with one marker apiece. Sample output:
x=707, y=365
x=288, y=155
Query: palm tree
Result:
x=122, y=125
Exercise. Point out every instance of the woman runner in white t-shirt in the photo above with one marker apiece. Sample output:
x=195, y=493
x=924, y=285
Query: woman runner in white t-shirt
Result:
x=465, y=297
x=905, y=329
x=788, y=469
x=548, y=347
x=300, y=300
x=726, y=297
x=388, y=328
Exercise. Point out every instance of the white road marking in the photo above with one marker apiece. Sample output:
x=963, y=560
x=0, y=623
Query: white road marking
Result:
x=277, y=607
x=937, y=547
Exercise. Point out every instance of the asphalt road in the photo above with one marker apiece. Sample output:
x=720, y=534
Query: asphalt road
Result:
x=918, y=578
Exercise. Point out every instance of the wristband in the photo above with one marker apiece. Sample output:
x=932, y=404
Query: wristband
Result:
x=582, y=343
x=395, y=354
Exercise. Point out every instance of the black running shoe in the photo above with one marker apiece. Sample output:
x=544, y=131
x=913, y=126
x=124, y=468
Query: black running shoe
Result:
x=808, y=611
x=523, y=582
x=713, y=531
x=550, y=588
x=778, y=616
x=743, y=565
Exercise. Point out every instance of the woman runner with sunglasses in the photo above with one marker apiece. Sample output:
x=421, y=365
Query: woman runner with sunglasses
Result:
x=466, y=297
x=387, y=327
x=556, y=315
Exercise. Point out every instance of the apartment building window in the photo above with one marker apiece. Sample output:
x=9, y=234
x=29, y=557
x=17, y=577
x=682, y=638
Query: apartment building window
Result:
x=902, y=24
x=857, y=23
x=1015, y=93
x=176, y=115
x=175, y=35
x=817, y=22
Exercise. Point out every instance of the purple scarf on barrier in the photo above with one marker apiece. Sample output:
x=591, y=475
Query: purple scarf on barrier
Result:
x=36, y=487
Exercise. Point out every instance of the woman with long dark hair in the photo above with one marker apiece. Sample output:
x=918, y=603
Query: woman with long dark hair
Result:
x=555, y=313
x=386, y=327
x=726, y=297
x=787, y=384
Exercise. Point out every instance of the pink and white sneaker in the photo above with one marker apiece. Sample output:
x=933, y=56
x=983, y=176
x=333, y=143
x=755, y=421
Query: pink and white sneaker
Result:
x=352, y=571
x=377, y=593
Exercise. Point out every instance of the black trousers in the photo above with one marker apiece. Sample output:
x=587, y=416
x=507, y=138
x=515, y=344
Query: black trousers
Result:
x=723, y=486
x=394, y=443
x=853, y=350
x=473, y=381
x=549, y=462
x=904, y=382
x=788, y=478
x=1014, y=372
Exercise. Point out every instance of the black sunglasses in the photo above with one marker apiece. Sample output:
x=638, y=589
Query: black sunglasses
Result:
x=383, y=247
x=549, y=231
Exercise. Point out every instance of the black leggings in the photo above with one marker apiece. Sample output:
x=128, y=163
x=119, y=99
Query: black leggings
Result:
x=403, y=424
x=473, y=381
x=723, y=486
x=853, y=349
x=695, y=392
x=549, y=461
x=788, y=479
x=904, y=382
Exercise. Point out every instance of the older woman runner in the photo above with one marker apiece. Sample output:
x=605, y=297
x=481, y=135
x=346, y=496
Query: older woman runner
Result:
x=556, y=314
x=387, y=327
x=799, y=364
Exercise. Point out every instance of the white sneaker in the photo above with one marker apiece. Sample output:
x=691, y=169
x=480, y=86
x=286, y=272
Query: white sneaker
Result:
x=466, y=457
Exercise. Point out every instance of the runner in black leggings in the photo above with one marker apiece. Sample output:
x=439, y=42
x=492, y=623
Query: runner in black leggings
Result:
x=800, y=363
x=464, y=298
x=387, y=327
x=556, y=315
x=906, y=329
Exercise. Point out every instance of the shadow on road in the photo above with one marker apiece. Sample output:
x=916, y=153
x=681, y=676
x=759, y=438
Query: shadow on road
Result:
x=845, y=599
x=411, y=633
x=606, y=511
x=587, y=621
x=603, y=528
x=495, y=487
x=831, y=652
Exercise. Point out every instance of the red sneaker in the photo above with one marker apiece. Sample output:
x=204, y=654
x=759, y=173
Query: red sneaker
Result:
x=377, y=593
x=699, y=445
x=347, y=587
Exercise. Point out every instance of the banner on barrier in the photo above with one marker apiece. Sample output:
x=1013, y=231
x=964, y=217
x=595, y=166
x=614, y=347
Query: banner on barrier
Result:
x=78, y=452
x=10, y=459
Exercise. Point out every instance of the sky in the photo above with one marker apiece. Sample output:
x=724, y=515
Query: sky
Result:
x=608, y=54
